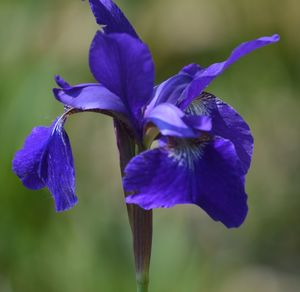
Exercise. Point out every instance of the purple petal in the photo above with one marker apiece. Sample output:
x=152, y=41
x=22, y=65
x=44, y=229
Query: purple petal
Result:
x=123, y=65
x=227, y=123
x=109, y=14
x=205, y=76
x=207, y=174
x=57, y=169
x=171, y=121
x=201, y=123
x=46, y=160
x=61, y=82
x=170, y=90
x=90, y=97
x=27, y=160
x=191, y=69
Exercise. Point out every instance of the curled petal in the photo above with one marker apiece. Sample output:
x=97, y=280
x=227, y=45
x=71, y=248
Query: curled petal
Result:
x=227, y=123
x=90, y=97
x=107, y=13
x=123, y=64
x=46, y=161
x=206, y=174
x=205, y=76
x=171, y=121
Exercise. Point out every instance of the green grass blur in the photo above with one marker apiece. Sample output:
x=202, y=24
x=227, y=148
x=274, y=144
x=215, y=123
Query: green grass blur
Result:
x=89, y=247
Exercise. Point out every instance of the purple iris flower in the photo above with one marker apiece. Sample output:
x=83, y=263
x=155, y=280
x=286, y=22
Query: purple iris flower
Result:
x=205, y=146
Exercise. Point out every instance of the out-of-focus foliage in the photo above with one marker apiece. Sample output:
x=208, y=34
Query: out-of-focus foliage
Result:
x=89, y=247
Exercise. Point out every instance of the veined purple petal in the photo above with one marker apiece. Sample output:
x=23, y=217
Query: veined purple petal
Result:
x=123, y=64
x=205, y=76
x=57, y=168
x=226, y=123
x=171, y=121
x=107, y=13
x=206, y=174
x=46, y=160
x=90, y=97
x=27, y=160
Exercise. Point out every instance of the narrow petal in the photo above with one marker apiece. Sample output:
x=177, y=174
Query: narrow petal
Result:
x=205, y=76
x=226, y=123
x=90, y=97
x=107, y=13
x=206, y=174
x=46, y=160
x=123, y=64
x=171, y=121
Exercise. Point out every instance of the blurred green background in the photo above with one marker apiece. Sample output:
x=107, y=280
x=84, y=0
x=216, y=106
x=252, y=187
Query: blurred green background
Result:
x=89, y=247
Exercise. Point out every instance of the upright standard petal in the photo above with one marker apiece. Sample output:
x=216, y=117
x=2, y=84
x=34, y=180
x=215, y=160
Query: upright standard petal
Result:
x=171, y=121
x=46, y=160
x=90, y=97
x=124, y=65
x=207, y=174
x=227, y=123
x=107, y=13
x=169, y=91
x=206, y=75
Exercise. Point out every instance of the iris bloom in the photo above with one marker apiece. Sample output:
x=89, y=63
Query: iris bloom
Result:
x=205, y=146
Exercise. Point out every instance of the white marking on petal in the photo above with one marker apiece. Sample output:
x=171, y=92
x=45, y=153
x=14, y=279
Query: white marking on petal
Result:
x=201, y=105
x=186, y=153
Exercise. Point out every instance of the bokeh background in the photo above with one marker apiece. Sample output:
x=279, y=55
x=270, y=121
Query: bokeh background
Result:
x=89, y=247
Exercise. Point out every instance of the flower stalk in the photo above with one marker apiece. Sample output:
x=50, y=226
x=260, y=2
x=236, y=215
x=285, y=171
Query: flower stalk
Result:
x=141, y=226
x=140, y=220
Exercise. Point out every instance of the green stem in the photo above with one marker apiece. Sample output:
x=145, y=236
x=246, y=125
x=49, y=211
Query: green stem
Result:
x=142, y=287
x=141, y=227
x=140, y=220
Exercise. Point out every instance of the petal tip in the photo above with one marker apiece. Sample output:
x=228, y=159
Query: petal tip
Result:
x=132, y=200
x=238, y=220
x=61, y=82
x=66, y=205
x=276, y=37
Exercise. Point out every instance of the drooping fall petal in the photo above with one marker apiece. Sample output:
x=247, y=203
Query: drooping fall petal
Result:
x=206, y=174
x=46, y=161
x=227, y=123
